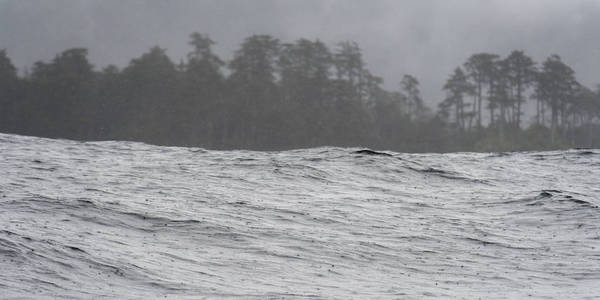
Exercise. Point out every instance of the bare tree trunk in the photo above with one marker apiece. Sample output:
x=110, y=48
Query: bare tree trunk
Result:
x=472, y=116
x=553, y=122
x=543, y=111
x=479, y=100
x=502, y=121
x=589, y=125
x=537, y=113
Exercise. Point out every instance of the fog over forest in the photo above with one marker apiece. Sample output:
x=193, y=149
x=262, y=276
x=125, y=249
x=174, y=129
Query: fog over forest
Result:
x=425, y=38
x=407, y=54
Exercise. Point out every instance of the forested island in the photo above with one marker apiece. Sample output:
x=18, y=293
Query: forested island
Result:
x=274, y=95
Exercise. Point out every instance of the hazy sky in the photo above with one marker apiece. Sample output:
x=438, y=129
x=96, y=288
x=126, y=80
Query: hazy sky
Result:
x=425, y=38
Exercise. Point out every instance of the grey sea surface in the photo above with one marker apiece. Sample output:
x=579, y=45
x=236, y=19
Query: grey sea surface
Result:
x=125, y=220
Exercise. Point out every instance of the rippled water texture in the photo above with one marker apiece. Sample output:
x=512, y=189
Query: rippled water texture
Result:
x=134, y=221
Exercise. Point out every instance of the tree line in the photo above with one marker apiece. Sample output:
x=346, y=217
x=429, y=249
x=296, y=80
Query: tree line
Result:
x=274, y=95
x=566, y=112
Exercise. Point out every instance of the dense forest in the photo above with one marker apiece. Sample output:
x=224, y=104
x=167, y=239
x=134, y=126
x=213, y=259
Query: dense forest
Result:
x=273, y=95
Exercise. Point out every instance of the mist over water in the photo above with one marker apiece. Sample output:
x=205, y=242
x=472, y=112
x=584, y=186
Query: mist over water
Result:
x=135, y=221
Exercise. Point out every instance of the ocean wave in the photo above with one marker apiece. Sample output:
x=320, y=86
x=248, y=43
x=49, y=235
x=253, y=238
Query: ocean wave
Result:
x=134, y=221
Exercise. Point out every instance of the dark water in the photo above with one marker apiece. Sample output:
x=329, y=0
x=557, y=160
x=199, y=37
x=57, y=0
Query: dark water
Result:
x=134, y=221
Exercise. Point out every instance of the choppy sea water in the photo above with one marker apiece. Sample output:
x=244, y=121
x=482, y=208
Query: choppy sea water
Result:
x=133, y=221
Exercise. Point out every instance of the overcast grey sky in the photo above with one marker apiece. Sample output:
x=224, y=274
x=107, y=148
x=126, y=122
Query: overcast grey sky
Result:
x=425, y=38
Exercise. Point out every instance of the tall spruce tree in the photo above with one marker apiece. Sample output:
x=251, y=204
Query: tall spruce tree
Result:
x=410, y=87
x=8, y=93
x=457, y=88
x=305, y=68
x=479, y=68
x=521, y=71
x=151, y=85
x=556, y=85
x=254, y=120
x=200, y=116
